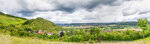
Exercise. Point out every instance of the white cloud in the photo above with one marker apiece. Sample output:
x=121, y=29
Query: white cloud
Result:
x=134, y=8
x=9, y=5
x=84, y=11
x=33, y=5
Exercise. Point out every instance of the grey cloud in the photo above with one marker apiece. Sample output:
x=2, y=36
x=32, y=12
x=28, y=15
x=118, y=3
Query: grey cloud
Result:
x=27, y=11
x=64, y=9
x=145, y=12
x=88, y=6
x=128, y=11
x=95, y=3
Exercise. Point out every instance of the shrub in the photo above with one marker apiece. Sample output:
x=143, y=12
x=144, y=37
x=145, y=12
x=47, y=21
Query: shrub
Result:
x=54, y=36
x=74, y=38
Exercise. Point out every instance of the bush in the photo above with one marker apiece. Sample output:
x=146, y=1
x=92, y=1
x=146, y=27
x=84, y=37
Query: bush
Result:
x=74, y=38
x=54, y=36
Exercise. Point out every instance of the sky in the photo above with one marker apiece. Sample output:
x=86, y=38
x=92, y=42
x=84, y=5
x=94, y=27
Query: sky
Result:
x=78, y=11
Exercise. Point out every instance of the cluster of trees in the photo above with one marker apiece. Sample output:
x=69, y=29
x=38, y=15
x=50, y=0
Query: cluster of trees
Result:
x=96, y=33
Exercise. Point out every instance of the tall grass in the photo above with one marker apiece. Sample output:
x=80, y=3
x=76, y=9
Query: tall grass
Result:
x=10, y=20
x=146, y=40
x=7, y=39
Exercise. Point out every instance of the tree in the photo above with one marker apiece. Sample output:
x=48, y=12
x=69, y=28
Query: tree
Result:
x=61, y=33
x=143, y=24
x=94, y=30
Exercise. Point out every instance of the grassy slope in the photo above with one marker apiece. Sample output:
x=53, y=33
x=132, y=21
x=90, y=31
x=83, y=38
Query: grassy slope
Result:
x=7, y=20
x=35, y=24
x=40, y=24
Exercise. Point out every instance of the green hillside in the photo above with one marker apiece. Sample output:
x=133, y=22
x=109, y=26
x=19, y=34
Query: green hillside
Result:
x=40, y=24
x=22, y=23
x=6, y=19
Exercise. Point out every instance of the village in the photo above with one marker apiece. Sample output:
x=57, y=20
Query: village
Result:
x=41, y=32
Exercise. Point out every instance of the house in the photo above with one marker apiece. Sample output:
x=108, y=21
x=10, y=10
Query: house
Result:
x=34, y=32
x=59, y=32
x=41, y=32
x=50, y=33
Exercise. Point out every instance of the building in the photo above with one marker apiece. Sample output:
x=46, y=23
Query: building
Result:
x=35, y=32
x=41, y=32
x=50, y=33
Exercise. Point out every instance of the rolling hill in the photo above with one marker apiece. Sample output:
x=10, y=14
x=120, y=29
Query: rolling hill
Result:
x=40, y=24
x=34, y=24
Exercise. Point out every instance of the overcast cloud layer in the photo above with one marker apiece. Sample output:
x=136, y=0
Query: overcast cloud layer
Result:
x=78, y=11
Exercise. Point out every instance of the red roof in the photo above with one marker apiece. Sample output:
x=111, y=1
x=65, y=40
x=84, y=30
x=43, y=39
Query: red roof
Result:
x=41, y=32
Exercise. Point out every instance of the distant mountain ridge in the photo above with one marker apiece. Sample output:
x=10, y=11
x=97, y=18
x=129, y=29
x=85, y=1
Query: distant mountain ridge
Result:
x=96, y=24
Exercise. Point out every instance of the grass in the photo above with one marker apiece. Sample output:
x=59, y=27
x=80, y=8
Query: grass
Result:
x=5, y=20
x=146, y=40
x=7, y=39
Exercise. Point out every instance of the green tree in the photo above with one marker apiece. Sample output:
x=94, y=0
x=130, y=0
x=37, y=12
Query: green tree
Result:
x=95, y=30
x=143, y=24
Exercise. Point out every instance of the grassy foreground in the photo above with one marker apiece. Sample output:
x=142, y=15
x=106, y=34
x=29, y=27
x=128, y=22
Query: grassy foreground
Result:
x=7, y=39
x=146, y=40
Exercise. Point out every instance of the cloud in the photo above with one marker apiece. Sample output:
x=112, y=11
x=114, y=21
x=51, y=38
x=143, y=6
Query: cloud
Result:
x=78, y=11
x=136, y=9
x=72, y=5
